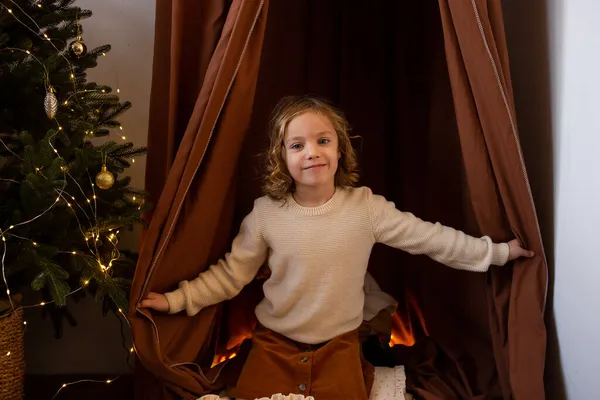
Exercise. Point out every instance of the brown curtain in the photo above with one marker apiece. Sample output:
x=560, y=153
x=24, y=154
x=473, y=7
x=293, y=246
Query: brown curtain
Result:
x=426, y=86
x=487, y=121
x=186, y=232
x=186, y=35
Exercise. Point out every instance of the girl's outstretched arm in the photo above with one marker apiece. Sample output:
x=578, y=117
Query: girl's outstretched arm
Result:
x=446, y=245
x=221, y=281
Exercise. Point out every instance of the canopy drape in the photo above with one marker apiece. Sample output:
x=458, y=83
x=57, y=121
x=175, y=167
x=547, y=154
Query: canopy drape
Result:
x=426, y=87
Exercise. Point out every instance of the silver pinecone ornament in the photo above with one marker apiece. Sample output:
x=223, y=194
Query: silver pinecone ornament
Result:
x=50, y=103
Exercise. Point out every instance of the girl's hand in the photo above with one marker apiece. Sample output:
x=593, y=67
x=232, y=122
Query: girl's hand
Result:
x=516, y=251
x=156, y=301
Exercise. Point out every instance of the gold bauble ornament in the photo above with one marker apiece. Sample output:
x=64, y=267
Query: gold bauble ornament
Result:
x=77, y=48
x=50, y=103
x=105, y=179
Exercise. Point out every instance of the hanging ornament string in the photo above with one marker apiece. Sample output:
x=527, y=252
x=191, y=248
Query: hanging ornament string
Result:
x=77, y=48
x=105, y=179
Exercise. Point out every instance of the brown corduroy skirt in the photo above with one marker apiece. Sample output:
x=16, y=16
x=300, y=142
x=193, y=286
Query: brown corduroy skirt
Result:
x=327, y=371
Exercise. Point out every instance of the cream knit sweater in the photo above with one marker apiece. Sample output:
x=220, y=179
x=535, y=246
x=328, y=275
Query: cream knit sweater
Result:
x=318, y=259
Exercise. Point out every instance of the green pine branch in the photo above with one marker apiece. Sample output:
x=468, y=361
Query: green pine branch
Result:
x=48, y=166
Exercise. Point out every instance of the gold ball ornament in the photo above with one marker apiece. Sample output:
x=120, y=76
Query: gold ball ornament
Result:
x=105, y=179
x=77, y=48
x=50, y=104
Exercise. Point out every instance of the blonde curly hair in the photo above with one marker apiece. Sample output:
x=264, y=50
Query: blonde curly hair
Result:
x=278, y=181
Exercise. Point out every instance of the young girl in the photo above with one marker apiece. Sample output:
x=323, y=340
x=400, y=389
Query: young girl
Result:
x=316, y=230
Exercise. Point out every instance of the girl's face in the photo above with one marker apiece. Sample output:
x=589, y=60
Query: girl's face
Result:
x=311, y=151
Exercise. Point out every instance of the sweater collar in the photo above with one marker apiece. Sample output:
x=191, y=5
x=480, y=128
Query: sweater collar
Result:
x=329, y=206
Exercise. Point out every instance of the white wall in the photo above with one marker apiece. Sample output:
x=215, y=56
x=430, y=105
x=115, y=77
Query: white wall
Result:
x=553, y=45
x=576, y=106
x=95, y=345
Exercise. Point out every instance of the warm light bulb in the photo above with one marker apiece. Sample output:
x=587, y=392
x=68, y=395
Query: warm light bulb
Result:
x=34, y=244
x=42, y=304
x=133, y=198
x=131, y=350
x=10, y=227
x=60, y=128
x=27, y=51
x=10, y=11
x=103, y=54
x=57, y=199
x=120, y=310
x=64, y=385
x=39, y=5
x=56, y=151
x=8, y=354
x=24, y=322
x=120, y=127
x=108, y=381
x=133, y=160
x=73, y=252
x=8, y=292
x=118, y=90
x=123, y=137
x=72, y=76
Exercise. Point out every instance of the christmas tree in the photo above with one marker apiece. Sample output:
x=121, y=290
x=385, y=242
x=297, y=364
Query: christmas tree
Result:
x=62, y=201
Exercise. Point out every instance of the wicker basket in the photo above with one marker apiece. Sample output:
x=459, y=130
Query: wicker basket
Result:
x=12, y=356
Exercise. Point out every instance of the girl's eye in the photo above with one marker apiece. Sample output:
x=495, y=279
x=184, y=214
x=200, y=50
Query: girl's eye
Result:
x=324, y=141
x=296, y=146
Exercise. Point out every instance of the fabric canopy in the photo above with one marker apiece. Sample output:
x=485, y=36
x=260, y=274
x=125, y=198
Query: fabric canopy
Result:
x=427, y=89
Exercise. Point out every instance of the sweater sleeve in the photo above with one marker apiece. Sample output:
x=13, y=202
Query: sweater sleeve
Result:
x=228, y=276
x=443, y=244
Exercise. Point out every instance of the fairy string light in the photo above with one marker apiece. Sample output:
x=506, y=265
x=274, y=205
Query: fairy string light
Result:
x=76, y=92
x=65, y=385
x=60, y=194
x=96, y=234
x=42, y=36
x=90, y=235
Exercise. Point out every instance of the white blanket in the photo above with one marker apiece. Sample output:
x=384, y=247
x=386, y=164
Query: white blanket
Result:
x=389, y=384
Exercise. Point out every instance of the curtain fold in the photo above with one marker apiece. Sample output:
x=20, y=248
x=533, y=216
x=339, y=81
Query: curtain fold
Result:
x=174, y=247
x=426, y=88
x=186, y=34
x=478, y=60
